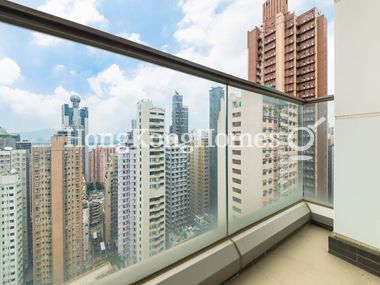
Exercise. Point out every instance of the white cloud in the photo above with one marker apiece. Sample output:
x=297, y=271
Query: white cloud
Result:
x=135, y=37
x=106, y=81
x=59, y=68
x=214, y=32
x=45, y=40
x=9, y=70
x=81, y=11
x=43, y=108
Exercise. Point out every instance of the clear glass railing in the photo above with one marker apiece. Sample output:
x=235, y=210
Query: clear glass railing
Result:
x=120, y=168
x=318, y=170
x=264, y=172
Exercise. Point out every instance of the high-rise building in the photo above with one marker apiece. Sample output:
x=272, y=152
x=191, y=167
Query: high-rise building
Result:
x=57, y=209
x=96, y=204
x=289, y=52
x=199, y=177
x=180, y=116
x=177, y=191
x=216, y=96
x=150, y=169
x=98, y=159
x=315, y=169
x=127, y=205
x=41, y=214
x=27, y=146
x=11, y=228
x=111, y=202
x=258, y=175
x=24, y=144
x=18, y=160
x=75, y=124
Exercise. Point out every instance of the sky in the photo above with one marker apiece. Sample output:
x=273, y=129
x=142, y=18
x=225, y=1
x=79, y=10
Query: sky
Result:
x=38, y=73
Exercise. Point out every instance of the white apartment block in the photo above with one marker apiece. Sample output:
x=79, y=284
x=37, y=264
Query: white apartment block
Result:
x=11, y=229
x=127, y=205
x=150, y=193
x=261, y=170
x=13, y=159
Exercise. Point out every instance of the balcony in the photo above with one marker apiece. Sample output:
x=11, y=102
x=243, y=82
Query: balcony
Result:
x=298, y=258
x=275, y=204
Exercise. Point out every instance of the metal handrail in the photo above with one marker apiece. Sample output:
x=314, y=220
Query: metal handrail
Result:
x=319, y=99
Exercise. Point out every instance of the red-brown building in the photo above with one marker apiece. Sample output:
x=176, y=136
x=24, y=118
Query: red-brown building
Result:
x=289, y=52
x=98, y=159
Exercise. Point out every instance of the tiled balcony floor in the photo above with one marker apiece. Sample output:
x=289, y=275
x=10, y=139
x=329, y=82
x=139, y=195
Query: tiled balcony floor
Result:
x=303, y=259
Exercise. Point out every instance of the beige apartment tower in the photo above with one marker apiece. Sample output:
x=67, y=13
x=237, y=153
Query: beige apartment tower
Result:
x=57, y=210
x=199, y=177
x=289, y=52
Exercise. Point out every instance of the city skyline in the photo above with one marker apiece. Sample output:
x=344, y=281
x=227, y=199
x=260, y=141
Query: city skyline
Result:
x=103, y=219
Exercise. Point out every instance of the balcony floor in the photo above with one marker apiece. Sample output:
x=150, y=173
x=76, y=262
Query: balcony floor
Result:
x=304, y=259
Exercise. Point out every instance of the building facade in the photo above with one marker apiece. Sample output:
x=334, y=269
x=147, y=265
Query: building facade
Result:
x=57, y=209
x=216, y=99
x=180, y=116
x=289, y=52
x=111, y=202
x=11, y=228
x=127, y=205
x=177, y=191
x=98, y=159
x=199, y=178
x=27, y=146
x=41, y=215
x=18, y=160
x=262, y=172
x=150, y=180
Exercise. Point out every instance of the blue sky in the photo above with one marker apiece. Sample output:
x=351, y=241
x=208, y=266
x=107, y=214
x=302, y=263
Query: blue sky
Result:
x=41, y=72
